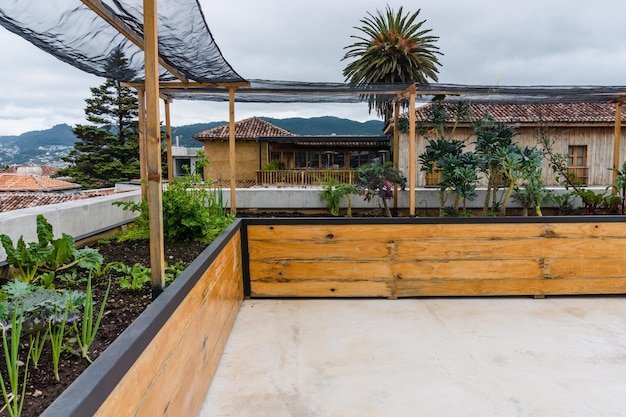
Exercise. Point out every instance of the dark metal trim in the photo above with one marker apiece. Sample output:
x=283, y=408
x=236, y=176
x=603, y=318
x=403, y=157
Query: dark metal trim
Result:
x=245, y=260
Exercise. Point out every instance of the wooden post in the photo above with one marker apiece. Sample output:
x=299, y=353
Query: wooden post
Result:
x=143, y=159
x=617, y=141
x=412, y=92
x=168, y=141
x=231, y=143
x=153, y=147
x=396, y=144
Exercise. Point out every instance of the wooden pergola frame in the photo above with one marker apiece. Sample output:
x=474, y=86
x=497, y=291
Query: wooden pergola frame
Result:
x=152, y=90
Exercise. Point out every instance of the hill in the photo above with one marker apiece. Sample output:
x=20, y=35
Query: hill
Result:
x=46, y=147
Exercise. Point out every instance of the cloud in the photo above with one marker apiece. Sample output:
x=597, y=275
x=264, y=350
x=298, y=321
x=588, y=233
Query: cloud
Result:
x=536, y=42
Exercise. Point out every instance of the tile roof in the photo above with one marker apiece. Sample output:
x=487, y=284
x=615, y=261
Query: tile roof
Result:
x=594, y=113
x=33, y=182
x=15, y=201
x=250, y=129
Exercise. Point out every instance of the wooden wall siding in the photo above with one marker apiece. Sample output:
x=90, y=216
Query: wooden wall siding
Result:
x=405, y=260
x=599, y=142
x=173, y=374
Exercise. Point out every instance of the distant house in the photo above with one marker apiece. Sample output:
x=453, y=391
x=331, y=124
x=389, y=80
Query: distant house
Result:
x=259, y=142
x=184, y=160
x=583, y=131
x=33, y=183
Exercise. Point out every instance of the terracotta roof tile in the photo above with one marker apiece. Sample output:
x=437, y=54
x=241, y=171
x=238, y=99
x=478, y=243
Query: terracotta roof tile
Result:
x=14, y=201
x=548, y=112
x=247, y=129
x=33, y=182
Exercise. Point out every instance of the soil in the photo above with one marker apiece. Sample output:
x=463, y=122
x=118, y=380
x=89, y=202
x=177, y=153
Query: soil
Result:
x=122, y=308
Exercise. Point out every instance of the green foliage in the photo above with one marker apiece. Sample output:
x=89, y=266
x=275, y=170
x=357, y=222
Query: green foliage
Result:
x=173, y=271
x=333, y=193
x=56, y=333
x=133, y=278
x=379, y=180
x=619, y=188
x=518, y=165
x=13, y=395
x=391, y=47
x=107, y=151
x=273, y=165
x=86, y=335
x=191, y=212
x=47, y=255
x=37, y=341
x=459, y=176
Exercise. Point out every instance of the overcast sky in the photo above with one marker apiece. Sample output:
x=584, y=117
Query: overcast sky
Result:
x=535, y=42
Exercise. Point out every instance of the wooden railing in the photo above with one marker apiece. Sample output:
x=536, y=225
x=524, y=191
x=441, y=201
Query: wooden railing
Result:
x=302, y=177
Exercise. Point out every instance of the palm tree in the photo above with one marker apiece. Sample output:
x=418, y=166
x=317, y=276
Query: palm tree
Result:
x=392, y=48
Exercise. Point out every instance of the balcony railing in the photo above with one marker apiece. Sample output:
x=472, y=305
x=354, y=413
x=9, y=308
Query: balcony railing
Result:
x=303, y=177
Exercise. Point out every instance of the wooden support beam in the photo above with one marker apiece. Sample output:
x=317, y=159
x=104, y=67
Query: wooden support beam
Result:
x=396, y=146
x=153, y=147
x=412, y=162
x=111, y=18
x=231, y=147
x=168, y=141
x=143, y=158
x=617, y=140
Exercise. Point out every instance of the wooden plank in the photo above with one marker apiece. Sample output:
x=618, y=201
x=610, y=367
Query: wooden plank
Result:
x=590, y=229
x=512, y=249
x=180, y=371
x=468, y=270
x=478, y=287
x=582, y=268
x=311, y=250
x=320, y=270
x=394, y=232
x=136, y=384
x=510, y=287
x=322, y=289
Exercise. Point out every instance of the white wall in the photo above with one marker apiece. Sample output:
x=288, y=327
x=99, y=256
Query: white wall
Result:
x=76, y=218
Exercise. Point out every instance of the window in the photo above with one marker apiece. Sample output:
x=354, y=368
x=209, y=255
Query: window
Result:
x=182, y=166
x=577, y=163
x=577, y=156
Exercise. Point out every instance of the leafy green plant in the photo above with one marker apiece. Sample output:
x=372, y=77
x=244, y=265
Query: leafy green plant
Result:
x=14, y=399
x=86, y=335
x=191, y=212
x=37, y=341
x=619, y=187
x=56, y=333
x=47, y=254
x=378, y=180
x=172, y=271
x=273, y=165
x=333, y=193
x=133, y=278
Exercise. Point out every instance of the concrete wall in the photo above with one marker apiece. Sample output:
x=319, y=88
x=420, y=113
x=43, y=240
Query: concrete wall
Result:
x=76, y=218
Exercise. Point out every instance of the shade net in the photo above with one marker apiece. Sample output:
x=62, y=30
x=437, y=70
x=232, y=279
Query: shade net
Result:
x=74, y=33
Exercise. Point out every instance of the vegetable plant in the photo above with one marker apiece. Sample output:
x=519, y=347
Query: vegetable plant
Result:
x=47, y=255
x=14, y=395
x=56, y=333
x=378, y=180
x=89, y=326
x=133, y=278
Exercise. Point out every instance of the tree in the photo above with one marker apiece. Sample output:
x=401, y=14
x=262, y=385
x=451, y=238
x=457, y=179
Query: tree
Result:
x=392, y=48
x=108, y=149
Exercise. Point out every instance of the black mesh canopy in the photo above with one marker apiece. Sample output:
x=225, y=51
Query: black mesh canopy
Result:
x=71, y=31
x=88, y=33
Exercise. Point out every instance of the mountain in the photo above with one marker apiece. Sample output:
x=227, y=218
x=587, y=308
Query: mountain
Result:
x=46, y=147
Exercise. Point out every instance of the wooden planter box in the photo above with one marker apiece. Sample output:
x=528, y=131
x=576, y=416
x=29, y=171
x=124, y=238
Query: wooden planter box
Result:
x=163, y=363
x=437, y=257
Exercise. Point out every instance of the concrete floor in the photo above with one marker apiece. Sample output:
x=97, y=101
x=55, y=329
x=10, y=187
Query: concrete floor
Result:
x=424, y=357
